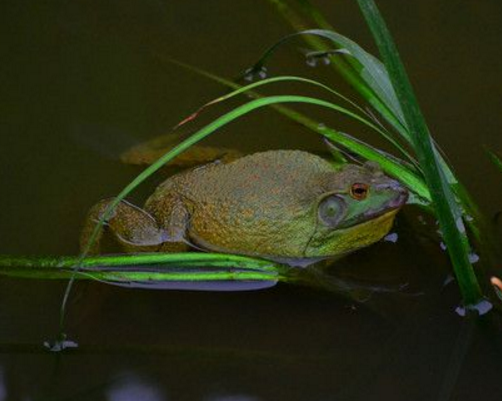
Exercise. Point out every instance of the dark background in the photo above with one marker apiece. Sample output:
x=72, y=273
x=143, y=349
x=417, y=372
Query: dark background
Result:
x=83, y=80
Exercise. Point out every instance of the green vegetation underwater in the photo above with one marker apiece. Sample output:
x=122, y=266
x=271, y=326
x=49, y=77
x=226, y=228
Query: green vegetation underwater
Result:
x=108, y=100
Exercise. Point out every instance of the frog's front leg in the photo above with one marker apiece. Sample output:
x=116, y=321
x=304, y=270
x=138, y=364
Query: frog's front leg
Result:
x=133, y=228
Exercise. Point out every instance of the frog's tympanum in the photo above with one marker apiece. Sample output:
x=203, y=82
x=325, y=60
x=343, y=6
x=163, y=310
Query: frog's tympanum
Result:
x=275, y=204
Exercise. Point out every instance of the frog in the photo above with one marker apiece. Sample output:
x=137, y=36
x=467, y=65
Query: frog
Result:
x=276, y=204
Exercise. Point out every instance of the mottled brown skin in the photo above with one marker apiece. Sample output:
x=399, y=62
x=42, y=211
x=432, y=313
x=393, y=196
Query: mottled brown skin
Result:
x=265, y=204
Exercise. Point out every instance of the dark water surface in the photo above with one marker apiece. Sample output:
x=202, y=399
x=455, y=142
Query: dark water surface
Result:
x=83, y=80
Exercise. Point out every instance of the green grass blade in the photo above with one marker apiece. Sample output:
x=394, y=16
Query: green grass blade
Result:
x=151, y=269
x=343, y=110
x=448, y=212
x=288, y=78
x=348, y=69
x=368, y=74
x=186, y=259
x=495, y=159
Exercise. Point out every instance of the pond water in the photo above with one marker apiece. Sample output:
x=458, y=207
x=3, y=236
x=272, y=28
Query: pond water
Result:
x=83, y=81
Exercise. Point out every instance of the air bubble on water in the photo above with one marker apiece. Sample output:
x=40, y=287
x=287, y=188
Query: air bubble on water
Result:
x=473, y=257
x=58, y=346
x=481, y=308
x=326, y=60
x=448, y=280
x=255, y=73
x=249, y=76
x=442, y=245
x=392, y=237
x=311, y=61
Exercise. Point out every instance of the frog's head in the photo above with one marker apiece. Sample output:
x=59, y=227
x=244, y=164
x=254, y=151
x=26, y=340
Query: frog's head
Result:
x=356, y=209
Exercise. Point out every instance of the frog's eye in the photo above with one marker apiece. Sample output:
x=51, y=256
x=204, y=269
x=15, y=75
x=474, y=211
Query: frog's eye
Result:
x=359, y=191
x=331, y=211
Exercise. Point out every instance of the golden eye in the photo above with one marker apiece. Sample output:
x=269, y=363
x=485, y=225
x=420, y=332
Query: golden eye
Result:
x=359, y=191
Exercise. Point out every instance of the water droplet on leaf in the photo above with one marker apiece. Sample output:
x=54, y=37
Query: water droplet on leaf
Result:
x=448, y=280
x=473, y=257
x=460, y=225
x=255, y=73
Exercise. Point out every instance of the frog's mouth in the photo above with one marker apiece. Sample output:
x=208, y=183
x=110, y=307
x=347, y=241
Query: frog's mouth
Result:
x=390, y=208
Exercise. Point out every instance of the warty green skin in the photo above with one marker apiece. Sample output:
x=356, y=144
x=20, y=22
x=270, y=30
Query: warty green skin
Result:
x=265, y=204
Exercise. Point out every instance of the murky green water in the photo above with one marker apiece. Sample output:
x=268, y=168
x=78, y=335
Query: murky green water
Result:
x=84, y=80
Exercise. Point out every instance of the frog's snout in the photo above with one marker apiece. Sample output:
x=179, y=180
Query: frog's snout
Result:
x=400, y=199
x=401, y=194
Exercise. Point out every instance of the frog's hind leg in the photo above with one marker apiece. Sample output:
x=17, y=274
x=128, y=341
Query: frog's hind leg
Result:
x=133, y=228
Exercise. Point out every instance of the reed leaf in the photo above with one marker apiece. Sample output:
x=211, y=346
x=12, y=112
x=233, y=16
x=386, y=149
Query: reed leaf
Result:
x=365, y=72
x=343, y=110
x=174, y=271
x=448, y=211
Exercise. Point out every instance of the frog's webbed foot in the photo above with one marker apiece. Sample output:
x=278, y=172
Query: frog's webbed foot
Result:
x=133, y=228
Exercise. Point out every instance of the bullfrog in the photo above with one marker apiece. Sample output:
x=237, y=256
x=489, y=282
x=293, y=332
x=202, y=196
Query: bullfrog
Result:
x=275, y=204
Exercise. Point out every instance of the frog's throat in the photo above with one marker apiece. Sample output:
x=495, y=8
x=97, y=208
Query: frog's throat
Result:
x=346, y=240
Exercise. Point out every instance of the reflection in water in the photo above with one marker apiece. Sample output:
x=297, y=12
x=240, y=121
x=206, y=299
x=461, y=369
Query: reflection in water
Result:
x=3, y=390
x=133, y=388
x=237, y=397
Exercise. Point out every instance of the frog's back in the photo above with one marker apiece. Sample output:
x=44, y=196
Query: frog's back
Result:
x=268, y=175
x=263, y=195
